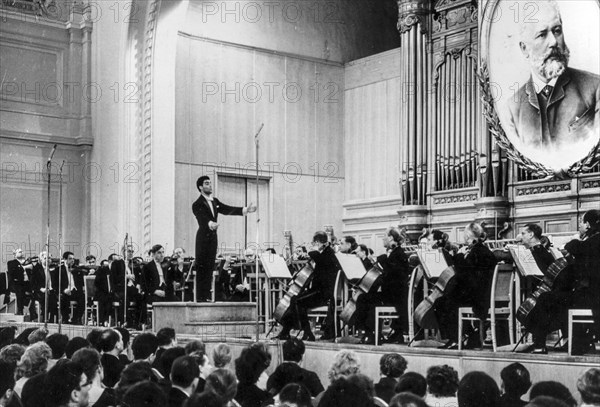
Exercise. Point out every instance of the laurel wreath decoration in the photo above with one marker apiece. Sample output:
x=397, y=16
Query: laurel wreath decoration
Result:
x=535, y=168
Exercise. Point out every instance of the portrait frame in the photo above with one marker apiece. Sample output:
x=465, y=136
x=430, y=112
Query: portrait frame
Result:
x=489, y=15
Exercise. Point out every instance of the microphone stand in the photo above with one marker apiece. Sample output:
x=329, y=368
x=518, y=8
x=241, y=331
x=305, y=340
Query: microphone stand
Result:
x=125, y=260
x=257, y=235
x=60, y=251
x=48, y=170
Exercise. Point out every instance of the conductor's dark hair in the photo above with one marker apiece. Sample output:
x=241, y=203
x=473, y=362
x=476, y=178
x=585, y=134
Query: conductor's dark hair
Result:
x=320, y=237
x=200, y=181
x=516, y=379
x=293, y=350
x=535, y=229
x=67, y=254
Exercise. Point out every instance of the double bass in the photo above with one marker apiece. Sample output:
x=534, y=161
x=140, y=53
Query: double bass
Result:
x=364, y=286
x=298, y=284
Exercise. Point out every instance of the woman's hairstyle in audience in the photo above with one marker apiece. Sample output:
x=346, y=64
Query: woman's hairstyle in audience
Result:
x=589, y=386
x=12, y=354
x=392, y=365
x=442, y=381
x=264, y=348
x=221, y=355
x=516, y=380
x=205, y=399
x=75, y=344
x=546, y=401
x=34, y=360
x=144, y=394
x=474, y=232
x=22, y=338
x=37, y=335
x=364, y=382
x=412, y=382
x=222, y=382
x=167, y=358
x=7, y=335
x=135, y=372
x=250, y=365
x=477, y=389
x=195, y=346
x=89, y=359
x=344, y=393
x=553, y=389
x=144, y=345
x=345, y=363
x=295, y=393
x=58, y=344
x=93, y=337
x=293, y=350
x=407, y=400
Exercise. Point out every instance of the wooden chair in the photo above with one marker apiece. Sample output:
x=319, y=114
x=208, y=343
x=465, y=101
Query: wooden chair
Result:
x=501, y=305
x=578, y=316
x=382, y=313
x=339, y=297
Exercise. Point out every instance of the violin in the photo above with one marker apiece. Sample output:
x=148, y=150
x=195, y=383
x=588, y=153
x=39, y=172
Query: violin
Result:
x=298, y=284
x=365, y=285
x=424, y=313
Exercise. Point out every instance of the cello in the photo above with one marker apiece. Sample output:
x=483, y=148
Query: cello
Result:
x=299, y=282
x=424, y=314
x=364, y=286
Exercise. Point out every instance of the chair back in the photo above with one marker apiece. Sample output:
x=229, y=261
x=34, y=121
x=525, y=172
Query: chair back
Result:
x=503, y=284
x=379, y=402
x=88, y=287
x=339, y=294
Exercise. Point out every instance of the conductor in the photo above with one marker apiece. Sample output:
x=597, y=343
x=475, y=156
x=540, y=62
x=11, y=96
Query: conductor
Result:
x=206, y=210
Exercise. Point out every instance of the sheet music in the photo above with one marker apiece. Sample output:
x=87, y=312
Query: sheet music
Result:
x=351, y=265
x=560, y=241
x=524, y=260
x=275, y=266
x=433, y=262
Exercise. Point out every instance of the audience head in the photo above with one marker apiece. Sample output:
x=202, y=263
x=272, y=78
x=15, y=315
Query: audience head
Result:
x=222, y=383
x=144, y=394
x=7, y=335
x=345, y=363
x=166, y=338
x=407, y=400
x=125, y=336
x=392, y=365
x=37, y=335
x=194, y=346
x=442, y=381
x=58, y=344
x=552, y=389
x=185, y=372
x=588, y=386
x=144, y=347
x=250, y=365
x=167, y=358
x=546, y=401
x=66, y=384
x=74, y=345
x=412, y=382
x=477, y=389
x=34, y=360
x=110, y=340
x=89, y=360
x=12, y=354
x=205, y=399
x=133, y=373
x=342, y=392
x=293, y=350
x=363, y=382
x=93, y=337
x=264, y=348
x=515, y=379
x=221, y=355
x=7, y=382
x=295, y=394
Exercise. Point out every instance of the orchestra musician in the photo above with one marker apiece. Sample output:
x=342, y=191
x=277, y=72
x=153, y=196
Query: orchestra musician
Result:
x=394, y=291
x=586, y=252
x=71, y=289
x=440, y=240
x=348, y=245
x=19, y=274
x=159, y=283
x=238, y=287
x=206, y=209
x=104, y=285
x=319, y=294
x=41, y=282
x=90, y=264
x=181, y=275
x=362, y=251
x=300, y=253
x=474, y=267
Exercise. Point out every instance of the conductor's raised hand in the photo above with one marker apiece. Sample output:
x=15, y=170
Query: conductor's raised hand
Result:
x=251, y=208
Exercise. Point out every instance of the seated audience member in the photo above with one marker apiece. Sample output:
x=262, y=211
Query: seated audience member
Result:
x=145, y=394
x=553, y=389
x=290, y=370
x=249, y=366
x=193, y=346
x=58, y=344
x=8, y=397
x=37, y=335
x=221, y=355
x=205, y=399
x=345, y=363
x=133, y=374
x=75, y=344
x=184, y=379
x=33, y=394
x=294, y=395
x=477, y=389
x=515, y=383
x=93, y=337
x=12, y=354
x=166, y=340
x=223, y=384
x=391, y=367
x=412, y=382
x=344, y=393
x=588, y=386
x=89, y=360
x=124, y=355
x=407, y=400
x=144, y=347
x=204, y=366
x=111, y=346
x=363, y=382
x=442, y=384
x=264, y=348
x=23, y=337
x=66, y=385
x=167, y=358
x=546, y=401
x=34, y=361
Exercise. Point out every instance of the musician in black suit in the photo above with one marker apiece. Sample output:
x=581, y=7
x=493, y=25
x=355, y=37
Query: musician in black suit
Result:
x=104, y=283
x=71, y=289
x=159, y=281
x=394, y=291
x=320, y=293
x=206, y=210
x=19, y=281
x=39, y=278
